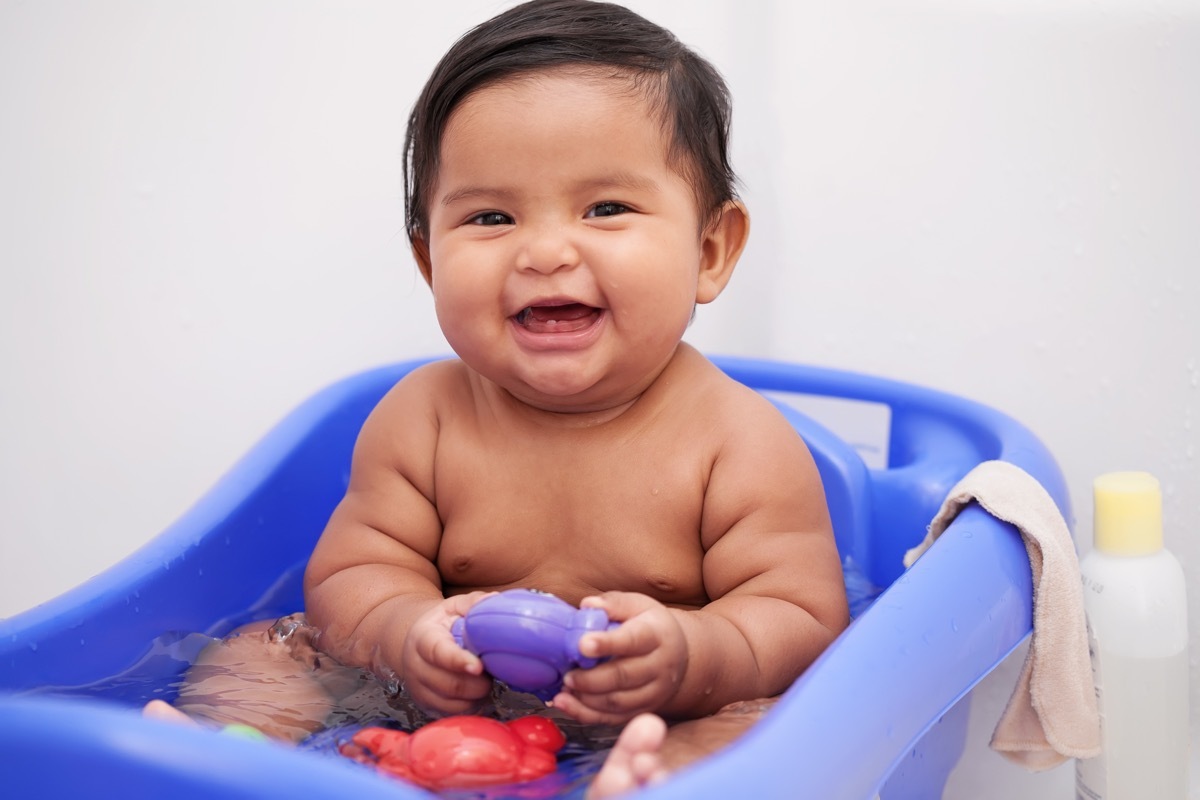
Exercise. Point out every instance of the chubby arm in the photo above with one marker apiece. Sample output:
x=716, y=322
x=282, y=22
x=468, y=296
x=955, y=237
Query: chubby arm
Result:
x=372, y=586
x=773, y=576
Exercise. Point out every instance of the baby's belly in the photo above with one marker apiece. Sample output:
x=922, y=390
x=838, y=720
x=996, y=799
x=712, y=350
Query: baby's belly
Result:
x=572, y=570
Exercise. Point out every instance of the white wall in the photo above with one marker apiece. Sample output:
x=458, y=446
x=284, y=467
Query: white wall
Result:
x=200, y=224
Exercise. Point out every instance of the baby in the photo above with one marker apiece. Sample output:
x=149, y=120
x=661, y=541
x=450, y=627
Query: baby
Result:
x=570, y=202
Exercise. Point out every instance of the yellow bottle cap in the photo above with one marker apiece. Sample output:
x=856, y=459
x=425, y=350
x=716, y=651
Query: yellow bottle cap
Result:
x=1128, y=513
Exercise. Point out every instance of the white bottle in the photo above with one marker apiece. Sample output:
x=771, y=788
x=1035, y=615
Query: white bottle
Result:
x=1136, y=606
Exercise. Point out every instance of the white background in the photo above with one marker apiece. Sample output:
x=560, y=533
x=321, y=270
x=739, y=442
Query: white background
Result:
x=201, y=224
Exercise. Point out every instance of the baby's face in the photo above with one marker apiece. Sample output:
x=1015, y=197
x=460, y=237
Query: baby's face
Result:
x=564, y=249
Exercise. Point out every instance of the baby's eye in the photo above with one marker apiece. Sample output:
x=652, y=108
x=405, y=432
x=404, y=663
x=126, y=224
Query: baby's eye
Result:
x=606, y=209
x=490, y=218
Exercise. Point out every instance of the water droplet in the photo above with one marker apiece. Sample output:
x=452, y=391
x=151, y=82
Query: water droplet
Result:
x=200, y=572
x=33, y=646
x=954, y=625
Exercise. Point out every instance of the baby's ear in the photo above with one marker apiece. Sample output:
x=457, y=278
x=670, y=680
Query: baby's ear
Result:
x=721, y=246
x=420, y=251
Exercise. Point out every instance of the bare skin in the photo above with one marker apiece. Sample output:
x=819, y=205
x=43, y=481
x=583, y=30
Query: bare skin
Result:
x=503, y=520
x=648, y=751
x=586, y=451
x=579, y=447
x=282, y=686
x=286, y=690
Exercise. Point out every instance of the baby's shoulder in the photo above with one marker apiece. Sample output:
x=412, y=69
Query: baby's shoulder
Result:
x=422, y=396
x=430, y=384
x=737, y=416
x=728, y=398
x=401, y=433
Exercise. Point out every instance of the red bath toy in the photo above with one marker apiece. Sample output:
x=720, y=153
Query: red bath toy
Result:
x=462, y=752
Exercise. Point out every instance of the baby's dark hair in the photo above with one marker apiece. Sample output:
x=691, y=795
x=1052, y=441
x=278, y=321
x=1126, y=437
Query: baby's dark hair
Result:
x=685, y=89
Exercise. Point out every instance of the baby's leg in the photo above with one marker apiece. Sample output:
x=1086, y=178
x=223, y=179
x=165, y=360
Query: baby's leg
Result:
x=647, y=751
x=266, y=675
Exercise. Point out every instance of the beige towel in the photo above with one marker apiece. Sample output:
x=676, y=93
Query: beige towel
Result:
x=1052, y=715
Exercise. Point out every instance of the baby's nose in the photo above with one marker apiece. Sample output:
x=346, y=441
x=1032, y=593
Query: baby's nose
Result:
x=548, y=249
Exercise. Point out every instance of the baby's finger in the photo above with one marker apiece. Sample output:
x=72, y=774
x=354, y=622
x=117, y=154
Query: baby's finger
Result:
x=630, y=639
x=622, y=674
x=438, y=649
x=443, y=652
x=607, y=709
x=621, y=606
x=456, y=686
x=574, y=708
x=460, y=604
x=451, y=696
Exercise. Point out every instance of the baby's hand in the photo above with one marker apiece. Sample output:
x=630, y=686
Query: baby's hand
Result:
x=647, y=660
x=439, y=675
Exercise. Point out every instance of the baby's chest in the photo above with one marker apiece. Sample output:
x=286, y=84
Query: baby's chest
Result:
x=597, y=524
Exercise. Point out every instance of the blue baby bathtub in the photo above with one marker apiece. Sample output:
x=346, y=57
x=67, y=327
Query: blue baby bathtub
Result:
x=880, y=713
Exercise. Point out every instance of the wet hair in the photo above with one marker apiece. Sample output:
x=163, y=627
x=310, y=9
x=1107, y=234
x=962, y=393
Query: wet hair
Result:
x=683, y=88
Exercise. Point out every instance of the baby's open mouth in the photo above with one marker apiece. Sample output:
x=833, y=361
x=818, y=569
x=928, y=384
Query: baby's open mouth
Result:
x=558, y=318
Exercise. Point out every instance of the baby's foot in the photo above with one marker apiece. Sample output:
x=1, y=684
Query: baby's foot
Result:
x=157, y=709
x=635, y=760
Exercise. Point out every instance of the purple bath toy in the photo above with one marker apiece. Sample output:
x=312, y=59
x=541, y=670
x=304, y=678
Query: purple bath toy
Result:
x=529, y=639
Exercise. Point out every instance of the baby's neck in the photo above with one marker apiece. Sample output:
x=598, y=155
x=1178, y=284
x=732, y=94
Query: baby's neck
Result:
x=628, y=405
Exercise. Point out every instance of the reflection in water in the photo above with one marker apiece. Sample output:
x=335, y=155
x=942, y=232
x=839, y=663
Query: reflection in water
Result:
x=359, y=697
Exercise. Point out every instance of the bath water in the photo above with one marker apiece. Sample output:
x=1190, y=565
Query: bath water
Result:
x=366, y=700
x=578, y=761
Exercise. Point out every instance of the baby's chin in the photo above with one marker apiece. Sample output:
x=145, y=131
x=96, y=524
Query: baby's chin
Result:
x=586, y=382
